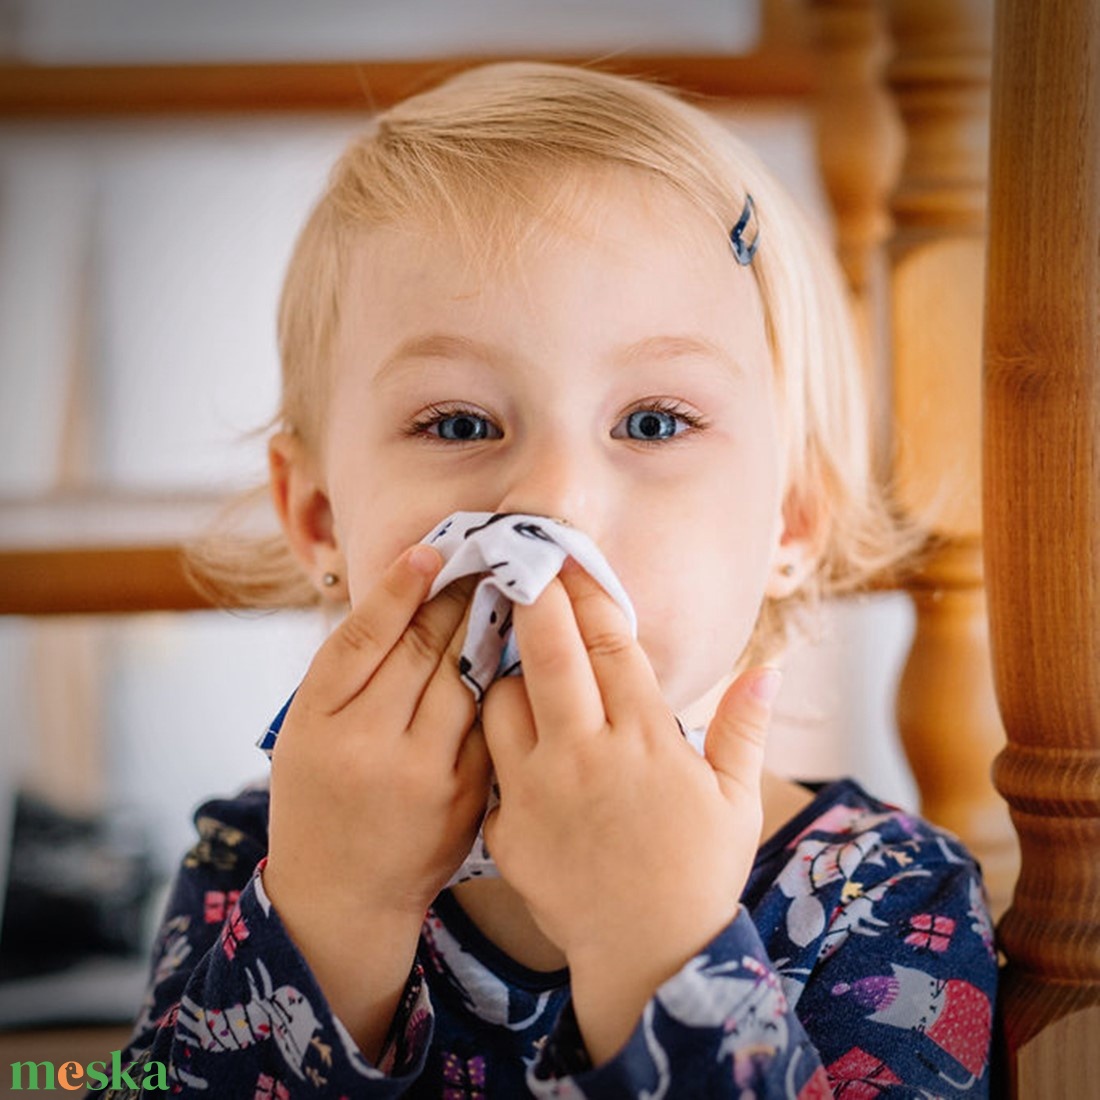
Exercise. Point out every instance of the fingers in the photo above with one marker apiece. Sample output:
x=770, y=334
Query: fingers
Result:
x=508, y=723
x=446, y=707
x=354, y=651
x=474, y=763
x=558, y=674
x=413, y=663
x=623, y=674
x=738, y=732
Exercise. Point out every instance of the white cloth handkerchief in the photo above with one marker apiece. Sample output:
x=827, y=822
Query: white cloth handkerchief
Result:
x=520, y=554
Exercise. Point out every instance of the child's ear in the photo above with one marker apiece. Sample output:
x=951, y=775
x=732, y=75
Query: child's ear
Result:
x=303, y=508
x=799, y=548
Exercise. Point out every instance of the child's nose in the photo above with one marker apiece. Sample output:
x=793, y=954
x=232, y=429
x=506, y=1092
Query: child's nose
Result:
x=557, y=481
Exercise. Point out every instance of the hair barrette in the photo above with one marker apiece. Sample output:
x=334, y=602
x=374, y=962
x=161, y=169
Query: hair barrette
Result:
x=744, y=250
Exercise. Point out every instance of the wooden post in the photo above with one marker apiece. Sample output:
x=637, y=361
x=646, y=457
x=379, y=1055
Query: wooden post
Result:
x=859, y=147
x=859, y=141
x=1042, y=518
x=947, y=713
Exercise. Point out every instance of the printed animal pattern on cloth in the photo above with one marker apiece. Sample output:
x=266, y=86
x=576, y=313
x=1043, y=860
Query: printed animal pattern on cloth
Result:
x=519, y=556
x=859, y=965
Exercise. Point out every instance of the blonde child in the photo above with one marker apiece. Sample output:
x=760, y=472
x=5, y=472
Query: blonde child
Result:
x=549, y=291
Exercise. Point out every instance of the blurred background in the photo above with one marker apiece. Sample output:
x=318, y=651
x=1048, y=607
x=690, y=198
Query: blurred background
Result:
x=141, y=254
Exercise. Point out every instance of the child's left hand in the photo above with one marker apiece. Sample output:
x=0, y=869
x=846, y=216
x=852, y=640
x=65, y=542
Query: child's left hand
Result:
x=630, y=848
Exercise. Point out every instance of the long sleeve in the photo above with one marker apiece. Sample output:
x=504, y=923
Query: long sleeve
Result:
x=720, y=1027
x=860, y=964
x=232, y=1008
x=867, y=969
x=880, y=929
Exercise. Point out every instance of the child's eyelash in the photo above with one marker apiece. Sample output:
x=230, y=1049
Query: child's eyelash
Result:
x=671, y=407
x=423, y=422
x=687, y=422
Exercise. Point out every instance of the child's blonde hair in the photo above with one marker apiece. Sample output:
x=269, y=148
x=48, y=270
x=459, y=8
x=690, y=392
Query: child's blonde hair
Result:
x=467, y=157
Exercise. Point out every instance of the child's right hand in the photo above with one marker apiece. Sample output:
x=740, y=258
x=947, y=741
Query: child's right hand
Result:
x=379, y=780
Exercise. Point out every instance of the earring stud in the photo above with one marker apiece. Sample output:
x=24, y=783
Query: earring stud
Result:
x=787, y=569
x=329, y=580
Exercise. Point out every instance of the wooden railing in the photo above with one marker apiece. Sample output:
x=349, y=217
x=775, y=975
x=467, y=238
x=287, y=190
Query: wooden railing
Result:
x=1042, y=519
x=84, y=552
x=74, y=91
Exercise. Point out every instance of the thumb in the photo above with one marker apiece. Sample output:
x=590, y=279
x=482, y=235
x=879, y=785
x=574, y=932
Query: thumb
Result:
x=737, y=734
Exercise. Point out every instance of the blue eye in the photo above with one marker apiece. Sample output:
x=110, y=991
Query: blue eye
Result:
x=650, y=424
x=464, y=428
x=658, y=420
x=655, y=424
x=455, y=426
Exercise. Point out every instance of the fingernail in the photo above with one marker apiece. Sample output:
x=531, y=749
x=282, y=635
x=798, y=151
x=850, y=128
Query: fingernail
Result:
x=765, y=686
x=423, y=559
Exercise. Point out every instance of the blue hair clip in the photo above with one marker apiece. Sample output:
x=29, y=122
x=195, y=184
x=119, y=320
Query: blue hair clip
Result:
x=743, y=250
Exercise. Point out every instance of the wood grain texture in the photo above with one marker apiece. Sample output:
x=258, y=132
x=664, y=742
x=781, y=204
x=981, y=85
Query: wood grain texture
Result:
x=947, y=714
x=1042, y=516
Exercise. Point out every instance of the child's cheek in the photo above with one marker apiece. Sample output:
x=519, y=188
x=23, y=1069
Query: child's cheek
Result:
x=372, y=548
x=693, y=632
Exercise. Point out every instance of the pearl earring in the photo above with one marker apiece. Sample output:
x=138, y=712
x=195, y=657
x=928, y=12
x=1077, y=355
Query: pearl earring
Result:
x=329, y=580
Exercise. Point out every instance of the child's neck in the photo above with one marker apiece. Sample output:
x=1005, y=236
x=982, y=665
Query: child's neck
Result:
x=503, y=917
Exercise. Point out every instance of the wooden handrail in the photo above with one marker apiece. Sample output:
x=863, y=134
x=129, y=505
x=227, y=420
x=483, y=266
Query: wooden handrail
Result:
x=124, y=578
x=78, y=580
x=93, y=552
x=73, y=91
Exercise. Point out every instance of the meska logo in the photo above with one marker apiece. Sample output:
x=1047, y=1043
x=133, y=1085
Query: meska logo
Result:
x=72, y=1076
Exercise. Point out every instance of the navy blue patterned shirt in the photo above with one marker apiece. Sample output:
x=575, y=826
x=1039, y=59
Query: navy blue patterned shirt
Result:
x=860, y=964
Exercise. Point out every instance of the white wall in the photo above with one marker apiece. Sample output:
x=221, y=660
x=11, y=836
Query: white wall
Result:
x=147, y=30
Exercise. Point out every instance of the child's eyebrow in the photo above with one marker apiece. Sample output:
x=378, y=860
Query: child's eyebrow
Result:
x=649, y=349
x=680, y=346
x=436, y=345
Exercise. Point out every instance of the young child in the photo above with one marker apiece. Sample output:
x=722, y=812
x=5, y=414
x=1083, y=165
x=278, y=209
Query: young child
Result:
x=553, y=292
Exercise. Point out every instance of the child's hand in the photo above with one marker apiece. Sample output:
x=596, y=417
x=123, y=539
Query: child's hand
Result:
x=379, y=779
x=629, y=847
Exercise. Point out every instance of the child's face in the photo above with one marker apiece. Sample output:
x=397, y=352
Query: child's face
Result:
x=615, y=375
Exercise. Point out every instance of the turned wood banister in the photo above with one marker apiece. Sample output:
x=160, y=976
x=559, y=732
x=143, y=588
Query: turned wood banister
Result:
x=938, y=76
x=1042, y=515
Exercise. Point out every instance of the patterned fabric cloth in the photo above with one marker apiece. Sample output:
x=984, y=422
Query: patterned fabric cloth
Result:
x=860, y=964
x=517, y=555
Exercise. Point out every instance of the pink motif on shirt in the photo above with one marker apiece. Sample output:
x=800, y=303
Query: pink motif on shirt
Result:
x=964, y=1025
x=954, y=1014
x=234, y=932
x=267, y=1088
x=858, y=1075
x=217, y=904
x=817, y=1087
x=930, y=931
